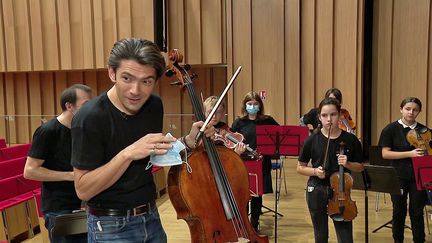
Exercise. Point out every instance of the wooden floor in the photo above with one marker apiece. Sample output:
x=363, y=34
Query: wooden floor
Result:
x=295, y=225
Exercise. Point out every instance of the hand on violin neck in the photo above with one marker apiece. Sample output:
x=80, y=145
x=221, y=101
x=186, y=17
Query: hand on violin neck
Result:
x=342, y=160
x=240, y=148
x=418, y=152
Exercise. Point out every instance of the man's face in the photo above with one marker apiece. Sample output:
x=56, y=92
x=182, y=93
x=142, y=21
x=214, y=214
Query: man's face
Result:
x=134, y=84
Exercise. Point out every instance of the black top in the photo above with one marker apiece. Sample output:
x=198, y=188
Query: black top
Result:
x=312, y=118
x=52, y=143
x=99, y=132
x=248, y=129
x=394, y=137
x=314, y=150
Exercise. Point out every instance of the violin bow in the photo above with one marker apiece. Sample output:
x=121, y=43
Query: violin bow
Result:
x=327, y=148
x=221, y=97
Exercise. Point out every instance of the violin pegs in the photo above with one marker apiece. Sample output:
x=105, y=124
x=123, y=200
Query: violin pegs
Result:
x=193, y=76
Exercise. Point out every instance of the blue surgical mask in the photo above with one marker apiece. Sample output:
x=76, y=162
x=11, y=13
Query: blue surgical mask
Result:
x=252, y=109
x=171, y=157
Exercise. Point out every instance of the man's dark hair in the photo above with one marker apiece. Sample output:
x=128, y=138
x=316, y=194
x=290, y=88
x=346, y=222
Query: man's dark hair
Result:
x=142, y=51
x=69, y=95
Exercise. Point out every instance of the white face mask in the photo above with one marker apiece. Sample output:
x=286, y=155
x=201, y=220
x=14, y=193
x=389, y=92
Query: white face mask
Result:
x=171, y=157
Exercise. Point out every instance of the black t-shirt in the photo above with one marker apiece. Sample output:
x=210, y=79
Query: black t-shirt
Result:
x=248, y=129
x=52, y=143
x=314, y=150
x=312, y=118
x=99, y=132
x=394, y=137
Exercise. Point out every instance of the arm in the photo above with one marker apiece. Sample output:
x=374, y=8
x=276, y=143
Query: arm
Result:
x=388, y=154
x=33, y=170
x=304, y=169
x=89, y=183
x=352, y=166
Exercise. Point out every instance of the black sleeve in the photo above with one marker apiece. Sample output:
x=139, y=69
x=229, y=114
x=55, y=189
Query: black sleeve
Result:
x=305, y=153
x=236, y=125
x=88, y=141
x=41, y=143
x=386, y=138
x=357, y=156
x=311, y=117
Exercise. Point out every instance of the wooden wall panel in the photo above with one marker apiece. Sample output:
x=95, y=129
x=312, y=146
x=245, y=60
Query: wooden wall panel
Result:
x=268, y=73
x=142, y=25
x=241, y=52
x=319, y=42
x=195, y=27
x=292, y=61
x=381, y=62
x=2, y=40
x=401, y=60
x=324, y=24
x=3, y=122
x=345, y=56
x=307, y=59
x=51, y=50
x=46, y=35
x=36, y=35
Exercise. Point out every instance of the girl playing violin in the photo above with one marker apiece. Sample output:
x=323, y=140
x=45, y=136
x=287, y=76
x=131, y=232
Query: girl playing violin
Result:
x=217, y=121
x=314, y=151
x=253, y=115
x=396, y=148
x=345, y=122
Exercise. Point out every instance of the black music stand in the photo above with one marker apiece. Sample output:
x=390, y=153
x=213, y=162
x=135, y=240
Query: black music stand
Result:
x=275, y=140
x=377, y=179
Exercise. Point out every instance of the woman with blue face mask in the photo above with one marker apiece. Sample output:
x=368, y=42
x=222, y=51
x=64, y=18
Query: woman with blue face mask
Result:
x=253, y=115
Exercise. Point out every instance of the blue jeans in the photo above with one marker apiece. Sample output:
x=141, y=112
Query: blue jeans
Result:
x=142, y=228
x=49, y=218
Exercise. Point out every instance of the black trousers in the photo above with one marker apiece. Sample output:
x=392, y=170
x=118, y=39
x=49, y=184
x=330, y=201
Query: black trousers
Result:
x=255, y=204
x=417, y=201
x=317, y=200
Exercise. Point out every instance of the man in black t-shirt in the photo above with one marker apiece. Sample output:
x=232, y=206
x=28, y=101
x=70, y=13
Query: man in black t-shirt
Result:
x=112, y=139
x=49, y=161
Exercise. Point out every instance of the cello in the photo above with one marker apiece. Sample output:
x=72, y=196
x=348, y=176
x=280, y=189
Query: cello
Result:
x=340, y=206
x=212, y=197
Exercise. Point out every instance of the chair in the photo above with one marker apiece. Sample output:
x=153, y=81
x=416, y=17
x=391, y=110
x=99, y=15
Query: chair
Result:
x=375, y=158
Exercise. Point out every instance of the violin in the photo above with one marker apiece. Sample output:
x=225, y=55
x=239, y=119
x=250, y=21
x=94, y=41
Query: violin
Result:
x=213, y=194
x=231, y=139
x=420, y=138
x=346, y=122
x=340, y=206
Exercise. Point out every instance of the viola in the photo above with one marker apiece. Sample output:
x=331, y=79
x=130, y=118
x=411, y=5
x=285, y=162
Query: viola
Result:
x=213, y=195
x=340, y=206
x=420, y=138
x=231, y=139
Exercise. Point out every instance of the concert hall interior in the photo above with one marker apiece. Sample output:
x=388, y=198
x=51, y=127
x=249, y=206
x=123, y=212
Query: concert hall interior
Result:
x=301, y=99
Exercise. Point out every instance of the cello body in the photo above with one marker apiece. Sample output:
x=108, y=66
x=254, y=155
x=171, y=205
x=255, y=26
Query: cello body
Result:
x=197, y=201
